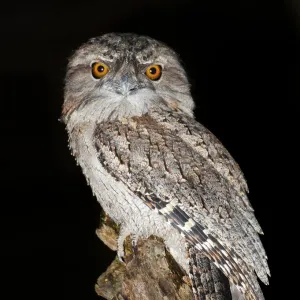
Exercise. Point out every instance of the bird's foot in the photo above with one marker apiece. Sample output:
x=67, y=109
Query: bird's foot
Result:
x=121, y=239
x=134, y=240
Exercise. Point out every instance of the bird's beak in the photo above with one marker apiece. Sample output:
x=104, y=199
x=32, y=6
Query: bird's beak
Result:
x=128, y=84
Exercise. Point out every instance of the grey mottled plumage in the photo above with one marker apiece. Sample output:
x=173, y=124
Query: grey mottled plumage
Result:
x=155, y=169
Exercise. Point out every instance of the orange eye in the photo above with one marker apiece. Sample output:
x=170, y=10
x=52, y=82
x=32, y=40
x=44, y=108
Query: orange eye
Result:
x=153, y=72
x=99, y=69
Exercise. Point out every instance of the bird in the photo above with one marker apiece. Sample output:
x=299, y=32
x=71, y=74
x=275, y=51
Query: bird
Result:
x=154, y=169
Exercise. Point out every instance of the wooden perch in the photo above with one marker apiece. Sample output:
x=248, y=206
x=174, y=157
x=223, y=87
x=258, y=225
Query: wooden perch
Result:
x=149, y=271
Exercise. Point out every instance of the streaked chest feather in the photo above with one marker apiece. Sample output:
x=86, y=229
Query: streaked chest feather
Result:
x=121, y=204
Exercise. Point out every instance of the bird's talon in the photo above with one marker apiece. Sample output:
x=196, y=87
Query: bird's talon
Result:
x=134, y=246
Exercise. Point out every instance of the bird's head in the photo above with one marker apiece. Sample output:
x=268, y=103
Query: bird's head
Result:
x=122, y=75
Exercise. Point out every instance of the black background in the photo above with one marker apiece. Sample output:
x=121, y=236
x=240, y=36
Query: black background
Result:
x=242, y=62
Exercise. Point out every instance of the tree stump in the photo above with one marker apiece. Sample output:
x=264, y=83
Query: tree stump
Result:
x=149, y=271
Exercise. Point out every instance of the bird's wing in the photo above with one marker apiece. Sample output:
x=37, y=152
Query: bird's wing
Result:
x=170, y=175
x=210, y=148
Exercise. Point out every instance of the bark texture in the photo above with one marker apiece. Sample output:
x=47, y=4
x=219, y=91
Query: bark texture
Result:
x=148, y=272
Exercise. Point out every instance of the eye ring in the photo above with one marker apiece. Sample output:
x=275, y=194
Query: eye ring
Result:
x=153, y=72
x=99, y=69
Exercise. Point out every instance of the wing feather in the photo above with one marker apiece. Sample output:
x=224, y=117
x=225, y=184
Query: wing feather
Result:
x=196, y=193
